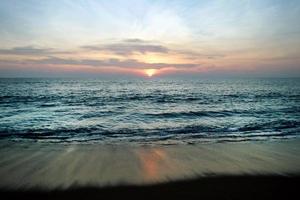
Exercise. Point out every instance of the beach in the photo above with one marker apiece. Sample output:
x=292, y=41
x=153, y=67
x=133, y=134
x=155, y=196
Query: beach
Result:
x=149, y=99
x=52, y=166
x=94, y=138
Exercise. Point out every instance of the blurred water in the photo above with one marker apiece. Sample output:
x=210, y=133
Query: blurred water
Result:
x=149, y=111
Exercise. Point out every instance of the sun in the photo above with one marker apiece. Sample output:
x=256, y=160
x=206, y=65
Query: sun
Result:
x=150, y=72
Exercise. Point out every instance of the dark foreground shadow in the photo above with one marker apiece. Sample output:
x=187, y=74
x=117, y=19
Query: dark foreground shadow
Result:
x=216, y=187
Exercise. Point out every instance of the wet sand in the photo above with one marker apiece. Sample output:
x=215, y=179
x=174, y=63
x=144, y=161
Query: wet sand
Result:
x=58, y=166
x=210, y=187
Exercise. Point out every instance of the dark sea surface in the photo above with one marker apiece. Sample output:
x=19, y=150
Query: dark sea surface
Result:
x=149, y=111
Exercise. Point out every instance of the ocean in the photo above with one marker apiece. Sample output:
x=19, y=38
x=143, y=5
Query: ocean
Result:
x=148, y=111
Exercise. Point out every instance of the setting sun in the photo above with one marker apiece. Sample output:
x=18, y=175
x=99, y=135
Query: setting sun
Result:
x=150, y=72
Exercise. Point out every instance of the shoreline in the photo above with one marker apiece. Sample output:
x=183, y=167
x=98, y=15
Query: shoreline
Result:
x=57, y=166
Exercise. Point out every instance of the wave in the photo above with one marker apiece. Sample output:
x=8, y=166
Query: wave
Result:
x=192, y=114
x=273, y=125
x=100, y=99
x=264, y=130
x=160, y=110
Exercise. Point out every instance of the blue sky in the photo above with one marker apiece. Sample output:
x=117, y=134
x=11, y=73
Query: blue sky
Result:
x=230, y=36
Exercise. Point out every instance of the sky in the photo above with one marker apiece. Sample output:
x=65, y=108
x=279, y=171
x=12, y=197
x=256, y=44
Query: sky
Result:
x=149, y=38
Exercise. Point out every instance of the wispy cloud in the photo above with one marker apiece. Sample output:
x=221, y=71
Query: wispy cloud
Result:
x=193, y=55
x=31, y=51
x=26, y=50
x=128, y=47
x=129, y=63
x=124, y=50
x=135, y=40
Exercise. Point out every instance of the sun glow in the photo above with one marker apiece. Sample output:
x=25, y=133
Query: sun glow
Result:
x=150, y=72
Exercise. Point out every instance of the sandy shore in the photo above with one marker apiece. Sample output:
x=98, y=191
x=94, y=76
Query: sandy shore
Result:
x=41, y=165
x=211, y=187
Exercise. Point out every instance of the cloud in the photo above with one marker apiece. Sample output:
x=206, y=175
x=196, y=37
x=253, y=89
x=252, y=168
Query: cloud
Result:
x=135, y=40
x=30, y=51
x=128, y=47
x=192, y=55
x=129, y=63
x=124, y=47
x=26, y=50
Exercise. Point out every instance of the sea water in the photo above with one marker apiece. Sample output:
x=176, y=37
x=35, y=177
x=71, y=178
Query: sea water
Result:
x=148, y=111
